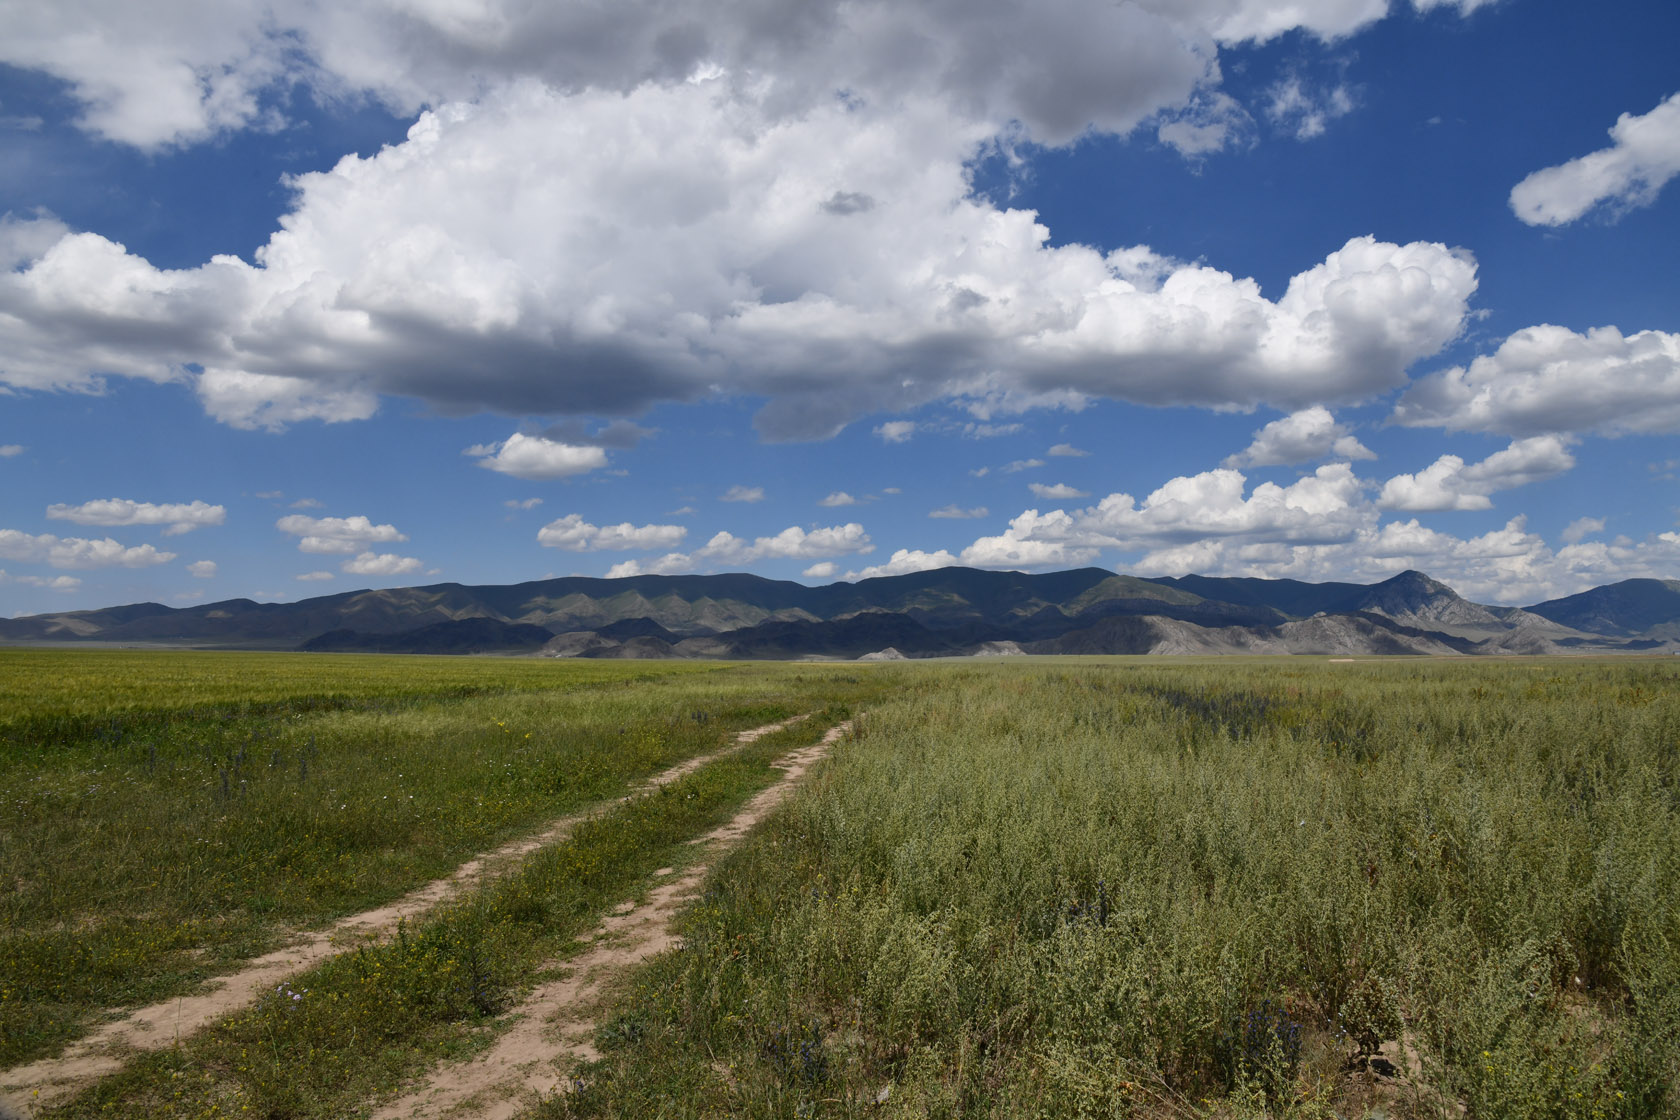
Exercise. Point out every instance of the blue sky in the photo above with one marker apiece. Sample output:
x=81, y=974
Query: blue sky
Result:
x=299, y=299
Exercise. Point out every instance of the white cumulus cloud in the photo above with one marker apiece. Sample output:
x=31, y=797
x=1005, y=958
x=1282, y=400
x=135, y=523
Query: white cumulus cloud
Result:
x=1449, y=484
x=1643, y=156
x=593, y=252
x=725, y=549
x=380, y=564
x=896, y=431
x=1581, y=528
x=536, y=458
x=838, y=498
x=247, y=399
x=177, y=518
x=50, y=583
x=77, y=552
x=1300, y=437
x=574, y=534
x=1211, y=506
x=671, y=564
x=1060, y=491
x=202, y=569
x=1551, y=379
x=792, y=543
x=337, y=534
x=904, y=562
x=173, y=74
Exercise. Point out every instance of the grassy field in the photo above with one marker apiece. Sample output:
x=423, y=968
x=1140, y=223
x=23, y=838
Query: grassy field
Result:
x=1176, y=889
x=344, y=1035
x=164, y=815
x=1043, y=888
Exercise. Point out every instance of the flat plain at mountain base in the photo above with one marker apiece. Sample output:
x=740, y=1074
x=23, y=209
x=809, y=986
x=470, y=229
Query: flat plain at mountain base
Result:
x=1234, y=889
x=1020, y=887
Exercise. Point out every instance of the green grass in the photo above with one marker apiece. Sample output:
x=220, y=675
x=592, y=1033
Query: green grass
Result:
x=164, y=815
x=1147, y=888
x=1071, y=887
x=334, y=1038
x=39, y=686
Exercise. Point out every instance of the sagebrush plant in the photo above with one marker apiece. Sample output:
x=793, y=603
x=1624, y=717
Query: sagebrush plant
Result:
x=1147, y=888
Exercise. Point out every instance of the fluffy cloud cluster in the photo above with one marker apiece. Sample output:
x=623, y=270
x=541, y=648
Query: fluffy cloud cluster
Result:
x=350, y=537
x=380, y=564
x=593, y=232
x=1448, y=484
x=1055, y=492
x=1324, y=526
x=177, y=518
x=537, y=458
x=50, y=583
x=1509, y=564
x=1643, y=156
x=1300, y=437
x=77, y=552
x=726, y=550
x=1321, y=507
x=336, y=534
x=792, y=543
x=1551, y=379
x=176, y=72
x=241, y=398
x=906, y=561
x=574, y=534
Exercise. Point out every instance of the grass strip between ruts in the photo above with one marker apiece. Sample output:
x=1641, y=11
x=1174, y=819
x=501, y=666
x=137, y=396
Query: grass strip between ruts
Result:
x=336, y=1038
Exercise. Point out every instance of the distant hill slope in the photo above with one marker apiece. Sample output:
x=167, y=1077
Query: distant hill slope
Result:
x=945, y=612
x=1633, y=607
x=465, y=635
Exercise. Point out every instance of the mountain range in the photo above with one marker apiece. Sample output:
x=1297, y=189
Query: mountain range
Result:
x=944, y=612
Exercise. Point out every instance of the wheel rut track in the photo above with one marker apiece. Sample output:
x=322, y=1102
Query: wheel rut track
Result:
x=556, y=1023
x=104, y=1051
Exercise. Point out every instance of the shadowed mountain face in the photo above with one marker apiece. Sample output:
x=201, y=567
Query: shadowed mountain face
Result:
x=1632, y=608
x=946, y=612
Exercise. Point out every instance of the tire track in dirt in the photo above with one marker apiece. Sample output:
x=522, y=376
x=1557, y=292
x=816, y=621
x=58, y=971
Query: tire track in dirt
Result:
x=103, y=1051
x=557, y=1022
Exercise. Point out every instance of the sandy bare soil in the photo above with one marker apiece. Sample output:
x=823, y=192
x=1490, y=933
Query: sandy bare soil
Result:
x=554, y=1026
x=103, y=1052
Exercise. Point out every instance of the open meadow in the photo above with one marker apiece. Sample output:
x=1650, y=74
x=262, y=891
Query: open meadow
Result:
x=1105, y=887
